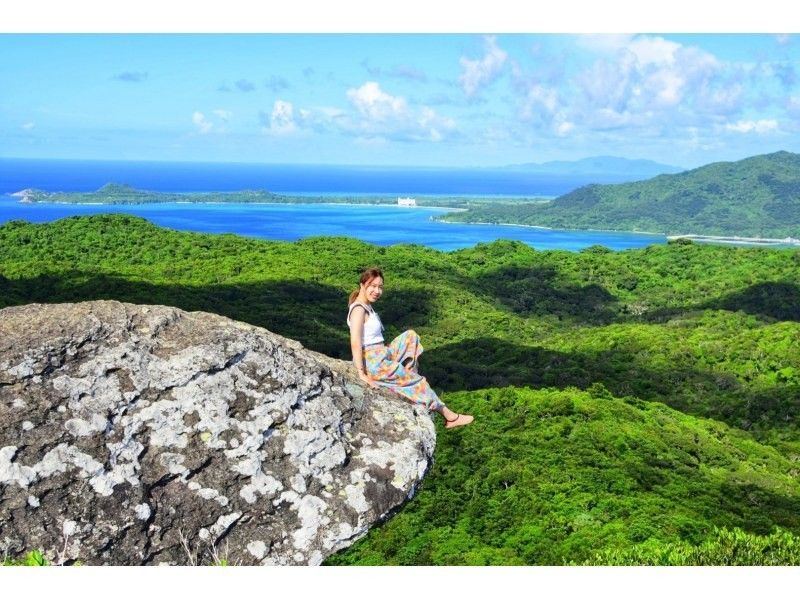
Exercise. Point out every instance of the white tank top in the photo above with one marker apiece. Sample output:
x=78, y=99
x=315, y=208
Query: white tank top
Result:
x=373, y=328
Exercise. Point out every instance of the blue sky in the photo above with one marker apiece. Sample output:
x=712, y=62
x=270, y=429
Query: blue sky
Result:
x=399, y=99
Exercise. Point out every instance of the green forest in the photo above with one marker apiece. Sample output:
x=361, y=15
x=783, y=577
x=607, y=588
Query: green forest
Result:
x=755, y=197
x=632, y=407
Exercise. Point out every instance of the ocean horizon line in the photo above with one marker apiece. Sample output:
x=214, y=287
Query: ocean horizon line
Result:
x=268, y=164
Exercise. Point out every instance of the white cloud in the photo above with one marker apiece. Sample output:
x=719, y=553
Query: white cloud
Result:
x=726, y=99
x=753, y=126
x=434, y=124
x=564, y=128
x=206, y=124
x=281, y=120
x=28, y=126
x=653, y=50
x=202, y=123
x=375, y=104
x=669, y=85
x=374, y=116
x=476, y=73
x=383, y=115
x=649, y=81
x=539, y=104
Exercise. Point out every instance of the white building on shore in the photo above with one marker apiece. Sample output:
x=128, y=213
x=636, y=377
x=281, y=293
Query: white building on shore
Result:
x=408, y=202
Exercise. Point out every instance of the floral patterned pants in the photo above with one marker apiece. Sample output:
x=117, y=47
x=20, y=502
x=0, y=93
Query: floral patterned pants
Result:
x=385, y=366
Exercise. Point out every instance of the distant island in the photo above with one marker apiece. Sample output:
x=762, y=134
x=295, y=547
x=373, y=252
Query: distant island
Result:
x=757, y=198
x=116, y=193
x=603, y=168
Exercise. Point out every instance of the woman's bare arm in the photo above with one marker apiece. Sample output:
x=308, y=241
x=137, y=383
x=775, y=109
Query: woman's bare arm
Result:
x=357, y=318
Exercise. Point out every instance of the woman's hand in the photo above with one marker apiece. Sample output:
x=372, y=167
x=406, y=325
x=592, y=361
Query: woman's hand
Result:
x=365, y=377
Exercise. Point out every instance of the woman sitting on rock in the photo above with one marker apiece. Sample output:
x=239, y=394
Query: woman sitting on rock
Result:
x=393, y=366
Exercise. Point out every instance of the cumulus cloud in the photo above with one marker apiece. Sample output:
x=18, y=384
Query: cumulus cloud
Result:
x=375, y=104
x=725, y=99
x=245, y=85
x=281, y=121
x=430, y=124
x=382, y=114
x=131, y=77
x=28, y=126
x=648, y=78
x=753, y=126
x=653, y=50
x=215, y=122
x=564, y=128
x=373, y=114
x=201, y=122
x=625, y=82
x=478, y=73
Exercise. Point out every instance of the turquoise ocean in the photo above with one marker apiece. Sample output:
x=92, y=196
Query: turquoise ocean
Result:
x=380, y=225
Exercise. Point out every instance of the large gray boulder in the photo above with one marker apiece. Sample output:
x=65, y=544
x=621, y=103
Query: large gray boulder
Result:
x=134, y=434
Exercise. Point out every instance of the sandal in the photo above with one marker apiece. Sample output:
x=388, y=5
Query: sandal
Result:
x=458, y=415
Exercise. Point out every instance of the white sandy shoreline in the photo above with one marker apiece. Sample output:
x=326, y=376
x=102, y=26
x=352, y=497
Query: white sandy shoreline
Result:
x=733, y=240
x=594, y=230
x=241, y=203
x=737, y=239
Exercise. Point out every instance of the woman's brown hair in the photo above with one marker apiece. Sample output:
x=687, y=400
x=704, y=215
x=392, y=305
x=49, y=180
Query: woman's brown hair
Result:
x=366, y=276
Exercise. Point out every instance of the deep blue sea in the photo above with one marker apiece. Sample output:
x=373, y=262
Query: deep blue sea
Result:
x=90, y=175
x=381, y=225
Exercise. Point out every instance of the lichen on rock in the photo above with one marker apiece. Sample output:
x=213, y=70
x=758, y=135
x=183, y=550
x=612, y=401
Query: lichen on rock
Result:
x=154, y=435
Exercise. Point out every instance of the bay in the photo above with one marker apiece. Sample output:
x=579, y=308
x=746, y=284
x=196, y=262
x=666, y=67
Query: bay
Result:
x=380, y=225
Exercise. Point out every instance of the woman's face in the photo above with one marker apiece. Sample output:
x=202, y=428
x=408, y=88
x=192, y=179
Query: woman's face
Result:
x=373, y=289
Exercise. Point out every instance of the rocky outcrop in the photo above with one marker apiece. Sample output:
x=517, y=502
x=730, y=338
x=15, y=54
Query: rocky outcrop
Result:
x=134, y=434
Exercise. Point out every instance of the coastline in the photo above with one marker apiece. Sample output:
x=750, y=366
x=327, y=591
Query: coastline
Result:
x=728, y=240
x=732, y=240
x=594, y=230
x=738, y=240
x=25, y=200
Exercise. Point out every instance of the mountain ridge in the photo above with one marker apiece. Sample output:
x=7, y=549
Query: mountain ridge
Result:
x=758, y=197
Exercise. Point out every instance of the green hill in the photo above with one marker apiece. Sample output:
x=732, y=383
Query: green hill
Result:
x=551, y=476
x=704, y=341
x=755, y=197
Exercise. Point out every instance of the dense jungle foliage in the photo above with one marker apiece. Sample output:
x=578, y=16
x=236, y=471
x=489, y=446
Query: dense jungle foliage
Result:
x=632, y=406
x=755, y=197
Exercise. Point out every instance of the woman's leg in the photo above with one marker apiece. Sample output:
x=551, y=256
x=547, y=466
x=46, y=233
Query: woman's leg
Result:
x=406, y=349
x=384, y=367
x=453, y=419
